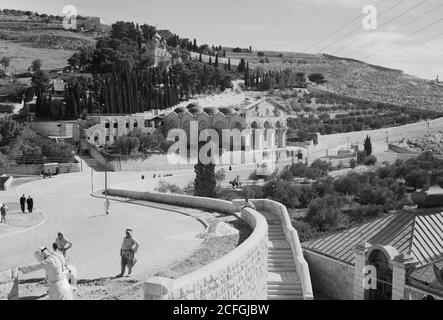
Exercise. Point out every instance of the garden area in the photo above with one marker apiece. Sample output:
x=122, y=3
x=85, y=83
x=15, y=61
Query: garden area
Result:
x=19, y=144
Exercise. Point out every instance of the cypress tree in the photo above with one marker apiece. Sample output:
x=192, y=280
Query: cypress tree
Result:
x=216, y=61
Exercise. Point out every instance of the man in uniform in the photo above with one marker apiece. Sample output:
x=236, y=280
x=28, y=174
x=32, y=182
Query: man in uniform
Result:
x=127, y=253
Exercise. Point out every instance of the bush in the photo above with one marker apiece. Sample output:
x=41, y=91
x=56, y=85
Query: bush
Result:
x=353, y=163
x=370, y=161
x=165, y=187
x=326, y=213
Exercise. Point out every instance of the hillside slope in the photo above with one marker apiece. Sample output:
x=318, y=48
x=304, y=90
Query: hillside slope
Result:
x=355, y=78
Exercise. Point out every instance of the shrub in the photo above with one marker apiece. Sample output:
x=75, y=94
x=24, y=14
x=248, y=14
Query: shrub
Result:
x=370, y=161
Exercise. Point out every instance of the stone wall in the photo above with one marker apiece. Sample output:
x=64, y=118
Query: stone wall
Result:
x=330, y=277
x=54, y=128
x=331, y=141
x=36, y=169
x=5, y=182
x=240, y=275
x=291, y=237
x=9, y=284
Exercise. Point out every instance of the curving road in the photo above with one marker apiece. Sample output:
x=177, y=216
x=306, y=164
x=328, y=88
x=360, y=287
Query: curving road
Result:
x=164, y=236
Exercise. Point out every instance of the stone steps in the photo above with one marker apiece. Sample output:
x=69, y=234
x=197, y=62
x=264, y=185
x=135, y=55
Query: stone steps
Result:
x=283, y=282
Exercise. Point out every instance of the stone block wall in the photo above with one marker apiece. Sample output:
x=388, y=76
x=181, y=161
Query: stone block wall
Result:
x=240, y=275
x=330, y=277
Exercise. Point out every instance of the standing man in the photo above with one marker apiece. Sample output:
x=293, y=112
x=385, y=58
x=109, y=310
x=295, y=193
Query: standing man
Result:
x=63, y=244
x=249, y=204
x=59, y=287
x=23, y=203
x=127, y=253
x=3, y=211
x=107, y=205
x=30, y=203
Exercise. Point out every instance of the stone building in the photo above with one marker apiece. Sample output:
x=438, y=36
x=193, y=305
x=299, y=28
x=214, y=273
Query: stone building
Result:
x=259, y=117
x=397, y=257
x=105, y=129
x=158, y=50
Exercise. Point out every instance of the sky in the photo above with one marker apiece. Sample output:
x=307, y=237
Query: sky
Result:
x=408, y=35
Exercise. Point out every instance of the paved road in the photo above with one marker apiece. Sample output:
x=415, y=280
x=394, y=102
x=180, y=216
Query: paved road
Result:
x=164, y=236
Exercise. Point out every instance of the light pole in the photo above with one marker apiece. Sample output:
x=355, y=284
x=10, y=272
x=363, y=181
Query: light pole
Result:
x=106, y=169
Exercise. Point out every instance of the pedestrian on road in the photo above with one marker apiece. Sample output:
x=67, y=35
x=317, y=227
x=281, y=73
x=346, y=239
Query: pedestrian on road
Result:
x=3, y=212
x=23, y=203
x=127, y=253
x=30, y=203
x=59, y=287
x=69, y=270
x=107, y=206
x=63, y=244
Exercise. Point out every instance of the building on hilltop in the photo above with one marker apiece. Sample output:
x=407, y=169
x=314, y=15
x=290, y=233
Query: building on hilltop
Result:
x=405, y=249
x=156, y=47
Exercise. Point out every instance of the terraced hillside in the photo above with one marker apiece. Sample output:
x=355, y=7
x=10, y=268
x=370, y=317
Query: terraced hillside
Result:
x=355, y=78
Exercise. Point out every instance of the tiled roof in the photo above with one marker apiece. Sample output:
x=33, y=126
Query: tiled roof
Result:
x=418, y=233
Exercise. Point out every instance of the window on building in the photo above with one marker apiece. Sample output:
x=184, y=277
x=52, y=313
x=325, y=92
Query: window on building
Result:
x=127, y=125
x=107, y=138
x=116, y=125
x=147, y=123
x=107, y=125
x=115, y=137
x=135, y=124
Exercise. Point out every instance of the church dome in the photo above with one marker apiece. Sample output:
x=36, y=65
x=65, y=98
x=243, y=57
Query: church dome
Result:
x=227, y=110
x=193, y=105
x=212, y=111
x=195, y=110
x=180, y=110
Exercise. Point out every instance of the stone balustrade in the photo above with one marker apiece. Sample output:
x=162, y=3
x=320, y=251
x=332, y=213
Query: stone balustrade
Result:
x=292, y=238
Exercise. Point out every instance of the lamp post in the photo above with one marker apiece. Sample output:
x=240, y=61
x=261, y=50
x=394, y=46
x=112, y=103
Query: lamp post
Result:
x=106, y=169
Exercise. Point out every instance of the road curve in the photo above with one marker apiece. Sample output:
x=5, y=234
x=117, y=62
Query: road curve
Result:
x=164, y=236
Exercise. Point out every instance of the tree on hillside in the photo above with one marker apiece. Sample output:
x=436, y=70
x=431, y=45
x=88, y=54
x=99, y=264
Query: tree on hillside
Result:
x=205, y=182
x=318, y=78
x=36, y=65
x=5, y=61
x=216, y=61
x=210, y=61
x=368, y=146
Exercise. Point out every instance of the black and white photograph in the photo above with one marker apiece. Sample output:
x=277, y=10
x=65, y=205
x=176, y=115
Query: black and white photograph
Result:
x=239, y=151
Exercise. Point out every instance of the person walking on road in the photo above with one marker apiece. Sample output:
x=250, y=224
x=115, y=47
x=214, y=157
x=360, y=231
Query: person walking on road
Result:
x=23, y=203
x=127, y=253
x=107, y=206
x=63, y=244
x=59, y=287
x=30, y=203
x=3, y=212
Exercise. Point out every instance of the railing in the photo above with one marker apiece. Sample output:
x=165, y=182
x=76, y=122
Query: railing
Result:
x=292, y=238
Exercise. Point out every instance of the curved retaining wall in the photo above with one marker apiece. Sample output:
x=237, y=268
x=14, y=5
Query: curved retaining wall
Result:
x=241, y=274
x=291, y=236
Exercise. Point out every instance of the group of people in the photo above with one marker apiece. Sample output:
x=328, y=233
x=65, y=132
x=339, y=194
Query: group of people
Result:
x=23, y=203
x=159, y=175
x=29, y=202
x=61, y=277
